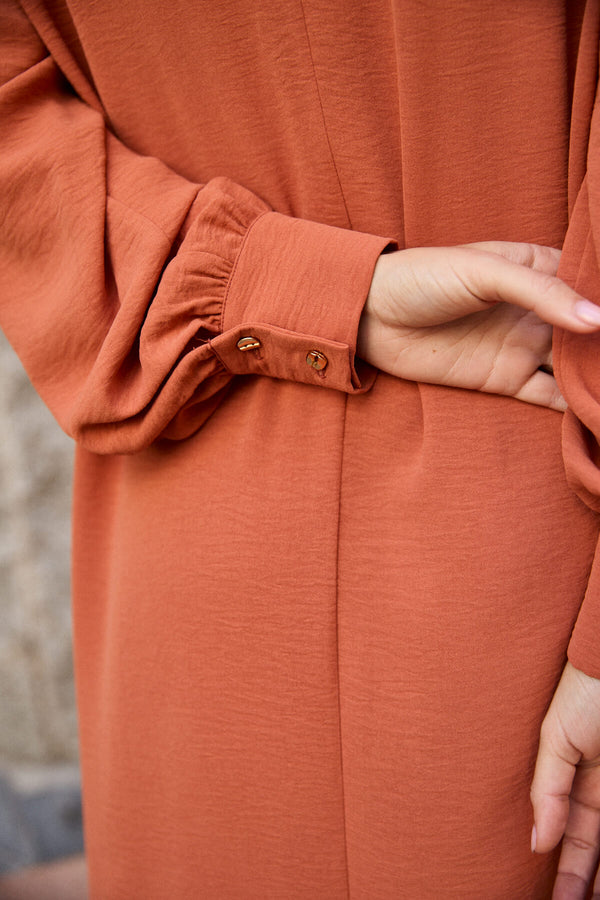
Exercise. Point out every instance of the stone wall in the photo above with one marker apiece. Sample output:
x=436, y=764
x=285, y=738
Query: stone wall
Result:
x=37, y=711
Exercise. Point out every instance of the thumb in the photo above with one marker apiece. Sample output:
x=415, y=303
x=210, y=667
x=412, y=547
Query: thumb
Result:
x=552, y=783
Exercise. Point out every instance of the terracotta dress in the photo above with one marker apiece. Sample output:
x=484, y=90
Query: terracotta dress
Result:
x=319, y=611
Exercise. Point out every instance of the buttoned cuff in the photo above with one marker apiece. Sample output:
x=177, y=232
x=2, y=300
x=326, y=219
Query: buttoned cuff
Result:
x=294, y=300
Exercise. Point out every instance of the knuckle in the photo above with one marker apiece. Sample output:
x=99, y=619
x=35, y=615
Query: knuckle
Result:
x=579, y=843
x=543, y=257
x=547, y=286
x=529, y=255
x=571, y=884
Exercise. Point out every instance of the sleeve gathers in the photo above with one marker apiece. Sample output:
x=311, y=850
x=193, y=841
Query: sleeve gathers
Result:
x=126, y=289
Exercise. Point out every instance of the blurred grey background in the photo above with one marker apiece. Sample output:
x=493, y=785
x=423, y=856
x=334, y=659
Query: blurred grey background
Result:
x=40, y=815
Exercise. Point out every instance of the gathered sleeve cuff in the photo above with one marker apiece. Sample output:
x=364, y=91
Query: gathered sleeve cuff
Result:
x=127, y=290
x=289, y=283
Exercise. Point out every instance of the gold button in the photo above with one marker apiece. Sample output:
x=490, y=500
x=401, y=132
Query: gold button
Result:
x=316, y=360
x=248, y=343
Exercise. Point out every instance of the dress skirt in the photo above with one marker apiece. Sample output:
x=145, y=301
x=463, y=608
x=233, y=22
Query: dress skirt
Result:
x=316, y=630
x=315, y=643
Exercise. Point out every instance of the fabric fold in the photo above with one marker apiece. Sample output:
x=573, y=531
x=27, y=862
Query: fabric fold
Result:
x=114, y=270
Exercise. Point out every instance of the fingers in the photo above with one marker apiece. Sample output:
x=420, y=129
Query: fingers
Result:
x=496, y=277
x=565, y=791
x=542, y=390
x=534, y=256
x=552, y=783
x=558, y=815
x=423, y=287
x=579, y=854
x=569, y=887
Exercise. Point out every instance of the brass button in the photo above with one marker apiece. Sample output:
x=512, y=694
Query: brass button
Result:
x=248, y=343
x=316, y=360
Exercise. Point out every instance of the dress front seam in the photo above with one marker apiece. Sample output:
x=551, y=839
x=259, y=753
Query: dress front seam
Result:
x=337, y=642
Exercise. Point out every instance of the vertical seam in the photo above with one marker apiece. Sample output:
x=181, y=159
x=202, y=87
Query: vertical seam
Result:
x=337, y=554
x=320, y=99
x=400, y=135
x=337, y=642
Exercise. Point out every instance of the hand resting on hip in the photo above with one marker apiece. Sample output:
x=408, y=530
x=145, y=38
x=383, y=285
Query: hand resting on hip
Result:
x=477, y=316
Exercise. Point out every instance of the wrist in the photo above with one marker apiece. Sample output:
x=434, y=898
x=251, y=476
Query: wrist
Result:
x=371, y=317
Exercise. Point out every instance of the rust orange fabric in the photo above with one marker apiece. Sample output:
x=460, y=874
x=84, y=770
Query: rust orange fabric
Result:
x=318, y=613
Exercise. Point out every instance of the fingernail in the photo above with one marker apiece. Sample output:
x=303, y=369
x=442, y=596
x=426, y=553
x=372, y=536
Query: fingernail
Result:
x=533, y=839
x=587, y=312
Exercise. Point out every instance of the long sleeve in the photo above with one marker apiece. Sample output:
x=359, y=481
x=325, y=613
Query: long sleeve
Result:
x=576, y=356
x=126, y=289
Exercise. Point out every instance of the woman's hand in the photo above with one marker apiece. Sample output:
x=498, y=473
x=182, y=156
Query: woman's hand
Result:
x=477, y=316
x=566, y=786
